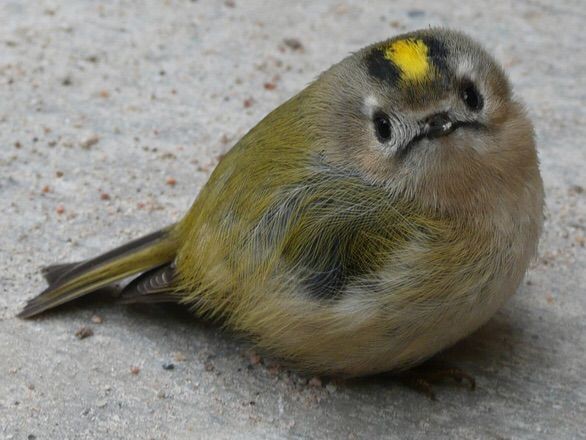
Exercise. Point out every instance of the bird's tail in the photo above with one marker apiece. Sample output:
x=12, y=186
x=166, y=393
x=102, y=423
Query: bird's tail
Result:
x=70, y=281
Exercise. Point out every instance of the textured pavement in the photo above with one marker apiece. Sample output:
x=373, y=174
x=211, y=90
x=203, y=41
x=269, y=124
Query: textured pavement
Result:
x=113, y=114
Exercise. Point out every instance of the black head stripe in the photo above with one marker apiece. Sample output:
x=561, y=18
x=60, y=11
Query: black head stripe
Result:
x=381, y=68
x=437, y=52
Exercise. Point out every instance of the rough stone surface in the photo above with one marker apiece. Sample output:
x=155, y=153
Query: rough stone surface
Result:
x=113, y=114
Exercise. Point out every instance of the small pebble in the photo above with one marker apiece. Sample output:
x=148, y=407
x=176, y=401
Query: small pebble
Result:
x=84, y=332
x=168, y=366
x=293, y=43
x=415, y=13
x=179, y=357
x=60, y=209
x=101, y=403
x=96, y=319
x=90, y=142
x=171, y=181
x=134, y=370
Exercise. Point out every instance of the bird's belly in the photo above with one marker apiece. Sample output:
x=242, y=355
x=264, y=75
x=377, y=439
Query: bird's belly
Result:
x=362, y=336
x=403, y=315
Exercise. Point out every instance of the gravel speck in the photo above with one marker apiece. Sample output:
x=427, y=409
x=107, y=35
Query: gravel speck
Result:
x=90, y=142
x=415, y=13
x=293, y=43
x=84, y=332
x=101, y=403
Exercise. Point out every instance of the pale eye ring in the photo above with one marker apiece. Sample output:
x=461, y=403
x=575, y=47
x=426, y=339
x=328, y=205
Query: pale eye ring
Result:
x=382, y=126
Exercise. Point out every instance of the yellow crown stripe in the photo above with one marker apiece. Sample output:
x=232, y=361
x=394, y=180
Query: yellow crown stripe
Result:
x=411, y=57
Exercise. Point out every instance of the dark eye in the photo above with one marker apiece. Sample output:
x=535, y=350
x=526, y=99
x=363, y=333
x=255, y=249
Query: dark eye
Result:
x=382, y=126
x=470, y=95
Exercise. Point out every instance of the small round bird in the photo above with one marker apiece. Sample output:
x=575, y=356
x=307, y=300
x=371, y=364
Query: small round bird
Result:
x=375, y=218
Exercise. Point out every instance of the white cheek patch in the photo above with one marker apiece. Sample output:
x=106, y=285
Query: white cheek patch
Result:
x=369, y=106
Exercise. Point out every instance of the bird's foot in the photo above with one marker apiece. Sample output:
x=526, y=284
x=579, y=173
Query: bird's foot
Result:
x=422, y=378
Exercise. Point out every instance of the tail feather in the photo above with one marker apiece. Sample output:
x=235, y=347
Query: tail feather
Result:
x=67, y=282
x=54, y=272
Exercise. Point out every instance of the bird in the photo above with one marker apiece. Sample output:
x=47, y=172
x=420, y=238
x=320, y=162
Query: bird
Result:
x=372, y=220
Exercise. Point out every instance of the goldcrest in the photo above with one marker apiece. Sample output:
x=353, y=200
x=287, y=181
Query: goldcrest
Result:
x=375, y=218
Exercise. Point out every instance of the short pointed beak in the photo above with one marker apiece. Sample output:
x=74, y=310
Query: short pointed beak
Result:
x=438, y=125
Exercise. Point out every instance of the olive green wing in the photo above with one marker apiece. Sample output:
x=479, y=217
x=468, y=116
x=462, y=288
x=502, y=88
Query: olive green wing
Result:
x=334, y=228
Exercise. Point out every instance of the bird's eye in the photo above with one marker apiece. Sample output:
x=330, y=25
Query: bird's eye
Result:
x=382, y=126
x=471, y=96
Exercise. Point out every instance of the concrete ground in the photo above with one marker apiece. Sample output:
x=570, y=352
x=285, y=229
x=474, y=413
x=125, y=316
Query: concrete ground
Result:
x=113, y=114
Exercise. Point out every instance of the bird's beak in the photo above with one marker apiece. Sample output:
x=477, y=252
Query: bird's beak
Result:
x=438, y=125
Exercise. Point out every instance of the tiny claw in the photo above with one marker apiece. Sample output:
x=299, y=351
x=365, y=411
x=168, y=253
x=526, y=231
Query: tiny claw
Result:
x=459, y=376
x=421, y=379
x=425, y=387
x=419, y=384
